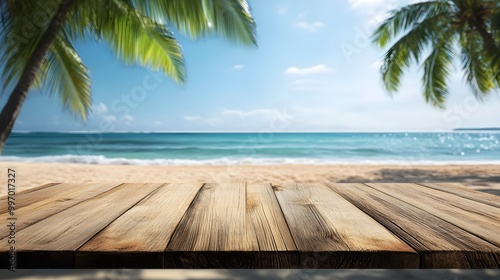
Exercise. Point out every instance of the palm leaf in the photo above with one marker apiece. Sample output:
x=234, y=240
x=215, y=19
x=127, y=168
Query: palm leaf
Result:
x=136, y=38
x=478, y=73
x=229, y=18
x=18, y=40
x=63, y=73
x=495, y=27
x=407, y=49
x=407, y=18
x=437, y=70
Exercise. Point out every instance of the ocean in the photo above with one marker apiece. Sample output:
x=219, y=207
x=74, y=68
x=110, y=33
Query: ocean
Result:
x=475, y=147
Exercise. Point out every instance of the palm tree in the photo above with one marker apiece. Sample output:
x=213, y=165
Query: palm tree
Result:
x=37, y=42
x=434, y=34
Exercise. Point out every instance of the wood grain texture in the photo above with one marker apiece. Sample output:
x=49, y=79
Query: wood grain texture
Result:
x=439, y=243
x=322, y=221
x=226, y=229
x=239, y=225
x=475, y=217
x=64, y=197
x=143, y=231
x=457, y=189
x=26, y=197
x=267, y=230
x=51, y=243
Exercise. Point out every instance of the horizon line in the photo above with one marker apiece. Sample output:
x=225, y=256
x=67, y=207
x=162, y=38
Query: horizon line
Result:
x=264, y=132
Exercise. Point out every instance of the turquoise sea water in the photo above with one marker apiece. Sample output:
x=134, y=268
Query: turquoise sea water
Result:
x=254, y=148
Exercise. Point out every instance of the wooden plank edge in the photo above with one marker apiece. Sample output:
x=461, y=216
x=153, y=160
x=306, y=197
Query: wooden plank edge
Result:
x=483, y=197
x=18, y=229
x=359, y=259
x=39, y=259
x=435, y=259
x=231, y=259
x=4, y=198
x=118, y=259
x=56, y=259
x=479, y=236
x=89, y=259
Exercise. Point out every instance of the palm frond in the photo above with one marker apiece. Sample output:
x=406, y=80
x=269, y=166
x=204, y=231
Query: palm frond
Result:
x=407, y=49
x=229, y=18
x=18, y=39
x=495, y=27
x=135, y=38
x=437, y=70
x=63, y=73
x=79, y=23
x=478, y=71
x=407, y=18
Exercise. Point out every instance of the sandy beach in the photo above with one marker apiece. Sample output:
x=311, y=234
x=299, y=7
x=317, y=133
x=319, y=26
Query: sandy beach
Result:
x=481, y=177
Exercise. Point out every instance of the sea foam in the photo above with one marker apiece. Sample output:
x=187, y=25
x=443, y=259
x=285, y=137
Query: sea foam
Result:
x=100, y=159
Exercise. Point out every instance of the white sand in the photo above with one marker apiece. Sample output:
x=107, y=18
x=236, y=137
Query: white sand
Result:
x=29, y=175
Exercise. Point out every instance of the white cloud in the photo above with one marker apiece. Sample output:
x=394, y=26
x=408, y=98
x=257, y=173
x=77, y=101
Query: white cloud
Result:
x=359, y=3
x=302, y=15
x=192, y=118
x=237, y=119
x=100, y=108
x=310, y=26
x=317, y=69
x=282, y=11
x=251, y=113
x=109, y=118
x=303, y=82
x=308, y=84
x=214, y=121
x=128, y=118
x=238, y=66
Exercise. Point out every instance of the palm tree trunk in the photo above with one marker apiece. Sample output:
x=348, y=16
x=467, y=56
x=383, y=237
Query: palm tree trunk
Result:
x=11, y=110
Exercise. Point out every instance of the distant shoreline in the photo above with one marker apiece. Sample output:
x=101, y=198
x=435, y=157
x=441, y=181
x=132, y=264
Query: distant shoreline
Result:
x=478, y=129
x=255, y=132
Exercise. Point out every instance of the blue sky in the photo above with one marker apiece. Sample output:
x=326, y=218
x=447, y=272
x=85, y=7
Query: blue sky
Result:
x=314, y=70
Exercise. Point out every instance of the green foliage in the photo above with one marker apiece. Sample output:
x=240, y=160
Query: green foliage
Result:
x=433, y=34
x=139, y=32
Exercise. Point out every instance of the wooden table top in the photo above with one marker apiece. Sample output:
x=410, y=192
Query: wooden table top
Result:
x=238, y=225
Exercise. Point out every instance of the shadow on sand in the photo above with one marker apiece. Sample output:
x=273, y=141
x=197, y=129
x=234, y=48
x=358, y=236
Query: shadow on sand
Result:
x=477, y=179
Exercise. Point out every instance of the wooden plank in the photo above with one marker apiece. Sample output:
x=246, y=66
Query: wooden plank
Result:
x=439, y=243
x=138, y=238
x=51, y=243
x=214, y=223
x=267, y=226
x=475, y=217
x=457, y=189
x=23, y=199
x=35, y=189
x=62, y=198
x=228, y=228
x=321, y=221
